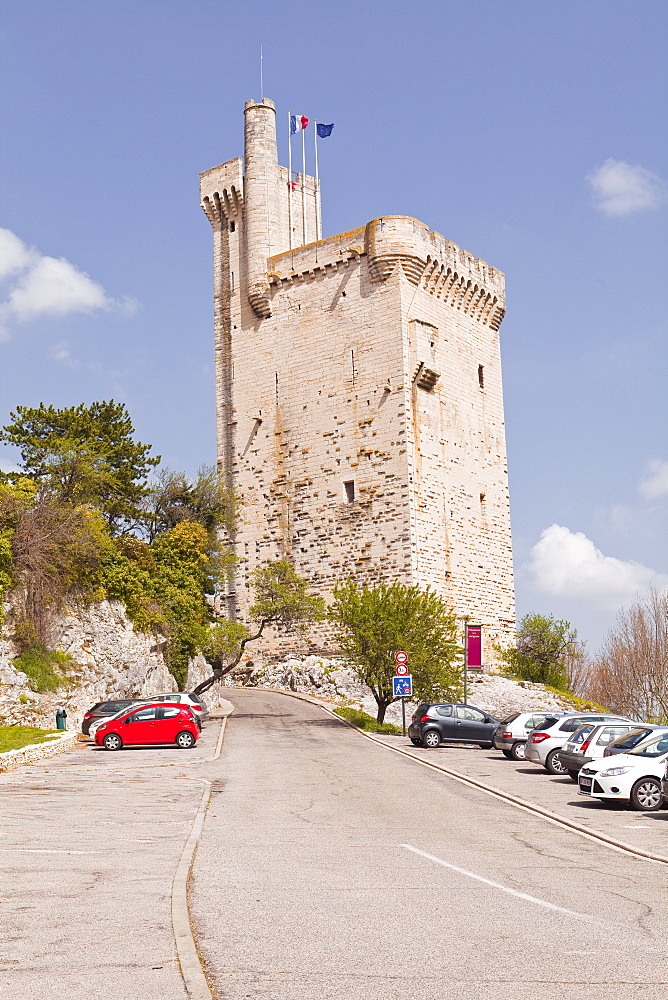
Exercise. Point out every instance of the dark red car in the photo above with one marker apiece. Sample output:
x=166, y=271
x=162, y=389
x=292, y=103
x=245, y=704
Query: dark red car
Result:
x=147, y=724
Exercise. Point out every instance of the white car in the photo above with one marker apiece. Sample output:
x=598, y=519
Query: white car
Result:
x=544, y=745
x=510, y=736
x=633, y=777
x=589, y=742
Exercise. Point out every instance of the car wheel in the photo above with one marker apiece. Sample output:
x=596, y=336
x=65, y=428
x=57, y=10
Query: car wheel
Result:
x=112, y=742
x=646, y=795
x=573, y=775
x=486, y=746
x=416, y=743
x=185, y=740
x=553, y=763
x=431, y=740
x=508, y=754
x=518, y=751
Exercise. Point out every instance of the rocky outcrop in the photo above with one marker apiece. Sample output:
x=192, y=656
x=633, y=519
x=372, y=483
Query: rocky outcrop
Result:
x=110, y=660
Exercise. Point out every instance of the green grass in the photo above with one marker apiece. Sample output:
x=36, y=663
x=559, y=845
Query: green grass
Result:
x=15, y=737
x=45, y=668
x=366, y=722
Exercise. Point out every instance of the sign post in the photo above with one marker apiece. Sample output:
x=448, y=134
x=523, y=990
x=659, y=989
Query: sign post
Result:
x=472, y=652
x=401, y=671
x=402, y=687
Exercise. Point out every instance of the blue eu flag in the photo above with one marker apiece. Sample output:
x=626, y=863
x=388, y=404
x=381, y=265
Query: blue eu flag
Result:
x=324, y=130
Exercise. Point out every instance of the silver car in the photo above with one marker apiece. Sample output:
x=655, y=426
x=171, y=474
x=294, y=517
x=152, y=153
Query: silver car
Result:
x=544, y=744
x=510, y=736
x=193, y=701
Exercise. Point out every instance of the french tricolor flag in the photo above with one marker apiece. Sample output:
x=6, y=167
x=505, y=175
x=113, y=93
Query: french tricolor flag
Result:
x=297, y=123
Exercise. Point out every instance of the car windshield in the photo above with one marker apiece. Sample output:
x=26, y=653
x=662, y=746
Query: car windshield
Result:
x=114, y=706
x=511, y=718
x=653, y=749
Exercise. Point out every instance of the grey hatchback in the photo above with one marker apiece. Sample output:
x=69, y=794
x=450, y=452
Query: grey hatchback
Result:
x=432, y=725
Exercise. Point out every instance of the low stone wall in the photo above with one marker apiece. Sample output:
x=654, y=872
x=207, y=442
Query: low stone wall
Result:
x=36, y=751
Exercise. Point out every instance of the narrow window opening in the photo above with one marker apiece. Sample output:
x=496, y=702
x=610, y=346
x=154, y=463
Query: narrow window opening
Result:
x=233, y=226
x=349, y=488
x=483, y=506
x=481, y=376
x=277, y=387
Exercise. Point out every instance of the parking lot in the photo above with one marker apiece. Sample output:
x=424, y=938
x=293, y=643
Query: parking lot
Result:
x=532, y=783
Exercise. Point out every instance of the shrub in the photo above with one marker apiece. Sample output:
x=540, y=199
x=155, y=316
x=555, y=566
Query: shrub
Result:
x=45, y=668
x=366, y=722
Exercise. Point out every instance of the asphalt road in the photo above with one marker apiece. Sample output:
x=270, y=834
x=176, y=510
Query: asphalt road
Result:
x=332, y=868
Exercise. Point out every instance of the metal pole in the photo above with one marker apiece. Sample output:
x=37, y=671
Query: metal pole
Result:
x=261, y=77
x=318, y=222
x=403, y=715
x=466, y=659
x=290, y=177
x=304, y=187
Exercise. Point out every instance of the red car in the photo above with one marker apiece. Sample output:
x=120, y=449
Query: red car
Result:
x=148, y=724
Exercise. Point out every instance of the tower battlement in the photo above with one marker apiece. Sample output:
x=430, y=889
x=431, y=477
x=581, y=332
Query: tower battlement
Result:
x=359, y=397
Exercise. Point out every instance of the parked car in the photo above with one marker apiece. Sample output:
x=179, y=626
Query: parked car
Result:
x=634, y=738
x=511, y=735
x=544, y=744
x=589, y=742
x=634, y=777
x=147, y=724
x=432, y=725
x=664, y=782
x=183, y=698
x=103, y=710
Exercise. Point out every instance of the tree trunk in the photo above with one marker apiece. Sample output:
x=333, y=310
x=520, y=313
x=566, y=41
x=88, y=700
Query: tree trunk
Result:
x=382, y=708
x=219, y=670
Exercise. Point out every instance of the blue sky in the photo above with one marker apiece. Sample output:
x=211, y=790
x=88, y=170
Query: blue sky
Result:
x=531, y=133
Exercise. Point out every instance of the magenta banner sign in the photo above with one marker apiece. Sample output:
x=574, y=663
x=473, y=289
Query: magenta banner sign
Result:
x=474, y=647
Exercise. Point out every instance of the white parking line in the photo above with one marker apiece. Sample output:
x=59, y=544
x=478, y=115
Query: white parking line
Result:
x=41, y=850
x=495, y=885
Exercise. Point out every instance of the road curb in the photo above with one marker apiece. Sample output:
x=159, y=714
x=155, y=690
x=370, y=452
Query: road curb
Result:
x=194, y=979
x=531, y=807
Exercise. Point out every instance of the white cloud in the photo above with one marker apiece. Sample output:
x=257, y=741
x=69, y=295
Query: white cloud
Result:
x=45, y=286
x=6, y=466
x=655, y=484
x=566, y=563
x=621, y=188
x=14, y=254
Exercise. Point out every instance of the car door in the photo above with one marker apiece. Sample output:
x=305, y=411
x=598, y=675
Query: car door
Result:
x=140, y=726
x=446, y=721
x=168, y=723
x=471, y=724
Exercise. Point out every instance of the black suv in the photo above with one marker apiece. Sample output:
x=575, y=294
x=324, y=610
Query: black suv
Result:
x=435, y=724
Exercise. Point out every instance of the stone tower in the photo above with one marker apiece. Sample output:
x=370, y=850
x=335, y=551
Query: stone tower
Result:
x=359, y=396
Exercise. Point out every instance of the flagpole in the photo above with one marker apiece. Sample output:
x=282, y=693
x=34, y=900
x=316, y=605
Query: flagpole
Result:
x=290, y=177
x=261, y=77
x=304, y=187
x=318, y=221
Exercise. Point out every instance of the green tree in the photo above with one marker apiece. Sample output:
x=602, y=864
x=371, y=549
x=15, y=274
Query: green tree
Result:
x=541, y=651
x=375, y=622
x=85, y=455
x=173, y=498
x=163, y=587
x=281, y=599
